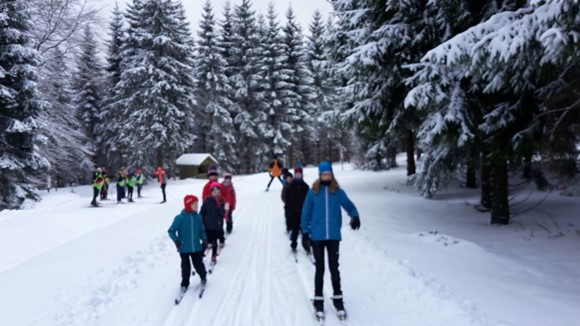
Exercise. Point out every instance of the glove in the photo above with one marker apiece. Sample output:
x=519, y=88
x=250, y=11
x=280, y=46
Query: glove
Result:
x=178, y=244
x=306, y=240
x=355, y=223
x=227, y=206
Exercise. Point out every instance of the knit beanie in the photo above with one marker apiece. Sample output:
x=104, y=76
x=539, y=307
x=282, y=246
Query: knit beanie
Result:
x=187, y=201
x=324, y=167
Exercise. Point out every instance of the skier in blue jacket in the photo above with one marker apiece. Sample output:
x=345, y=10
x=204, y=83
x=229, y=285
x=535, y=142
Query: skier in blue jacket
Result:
x=188, y=234
x=321, y=223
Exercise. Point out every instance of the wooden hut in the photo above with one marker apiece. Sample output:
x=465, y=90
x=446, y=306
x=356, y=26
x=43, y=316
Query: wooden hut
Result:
x=194, y=165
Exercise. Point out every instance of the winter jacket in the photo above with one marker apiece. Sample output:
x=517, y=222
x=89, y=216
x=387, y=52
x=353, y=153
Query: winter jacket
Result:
x=321, y=214
x=229, y=195
x=207, y=190
x=161, y=177
x=131, y=180
x=294, y=197
x=121, y=180
x=140, y=178
x=188, y=228
x=213, y=213
x=275, y=169
x=98, y=181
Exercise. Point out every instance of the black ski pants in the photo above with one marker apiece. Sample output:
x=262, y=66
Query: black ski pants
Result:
x=212, y=238
x=272, y=179
x=293, y=224
x=331, y=247
x=163, y=190
x=139, y=186
x=197, y=261
x=130, y=192
x=95, y=195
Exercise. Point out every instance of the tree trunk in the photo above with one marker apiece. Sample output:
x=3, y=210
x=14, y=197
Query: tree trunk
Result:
x=471, y=181
x=500, y=211
x=410, y=146
x=392, y=155
x=486, y=190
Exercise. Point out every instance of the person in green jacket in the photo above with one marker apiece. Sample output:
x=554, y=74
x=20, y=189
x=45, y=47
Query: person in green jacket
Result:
x=140, y=180
x=188, y=234
x=131, y=181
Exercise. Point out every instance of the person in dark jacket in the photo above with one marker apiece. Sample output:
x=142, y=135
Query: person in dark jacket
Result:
x=321, y=223
x=288, y=177
x=189, y=236
x=121, y=183
x=213, y=212
x=295, y=194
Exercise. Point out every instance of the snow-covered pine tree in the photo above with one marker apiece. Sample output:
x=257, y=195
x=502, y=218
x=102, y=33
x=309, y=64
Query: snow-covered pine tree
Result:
x=106, y=132
x=20, y=162
x=298, y=94
x=245, y=81
x=325, y=89
x=216, y=127
x=155, y=95
x=273, y=116
x=67, y=148
x=88, y=86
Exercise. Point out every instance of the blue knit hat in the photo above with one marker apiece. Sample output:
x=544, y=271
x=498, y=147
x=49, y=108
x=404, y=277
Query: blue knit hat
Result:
x=324, y=167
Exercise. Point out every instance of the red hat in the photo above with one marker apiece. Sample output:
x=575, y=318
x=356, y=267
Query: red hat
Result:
x=215, y=185
x=187, y=201
x=297, y=170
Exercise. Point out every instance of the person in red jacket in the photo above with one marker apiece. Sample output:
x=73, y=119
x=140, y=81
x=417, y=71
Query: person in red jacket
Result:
x=229, y=195
x=212, y=176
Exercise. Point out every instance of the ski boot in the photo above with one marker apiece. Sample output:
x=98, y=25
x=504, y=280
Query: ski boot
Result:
x=318, y=304
x=339, y=306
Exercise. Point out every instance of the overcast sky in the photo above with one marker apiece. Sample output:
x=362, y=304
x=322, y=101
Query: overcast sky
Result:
x=304, y=9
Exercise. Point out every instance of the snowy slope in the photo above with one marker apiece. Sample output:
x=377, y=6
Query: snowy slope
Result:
x=63, y=263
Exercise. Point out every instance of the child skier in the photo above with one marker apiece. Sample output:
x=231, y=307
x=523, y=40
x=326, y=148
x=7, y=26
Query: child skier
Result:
x=121, y=182
x=213, y=212
x=140, y=180
x=295, y=194
x=190, y=239
x=288, y=180
x=162, y=178
x=106, y=183
x=98, y=183
x=131, y=181
x=230, y=200
x=321, y=222
x=212, y=176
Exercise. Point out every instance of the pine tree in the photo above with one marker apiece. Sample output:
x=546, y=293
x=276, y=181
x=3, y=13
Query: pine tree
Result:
x=273, y=116
x=20, y=163
x=67, y=147
x=298, y=93
x=245, y=79
x=88, y=88
x=216, y=128
x=154, y=97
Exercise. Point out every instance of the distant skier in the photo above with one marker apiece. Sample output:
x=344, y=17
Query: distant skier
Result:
x=213, y=212
x=121, y=183
x=288, y=180
x=295, y=195
x=106, y=183
x=98, y=183
x=230, y=200
x=275, y=170
x=321, y=222
x=162, y=178
x=190, y=239
x=131, y=181
x=140, y=180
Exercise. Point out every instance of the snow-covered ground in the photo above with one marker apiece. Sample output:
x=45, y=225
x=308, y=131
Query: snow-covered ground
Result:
x=413, y=262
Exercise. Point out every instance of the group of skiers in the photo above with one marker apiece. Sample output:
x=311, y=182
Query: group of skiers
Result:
x=126, y=182
x=197, y=232
x=316, y=212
